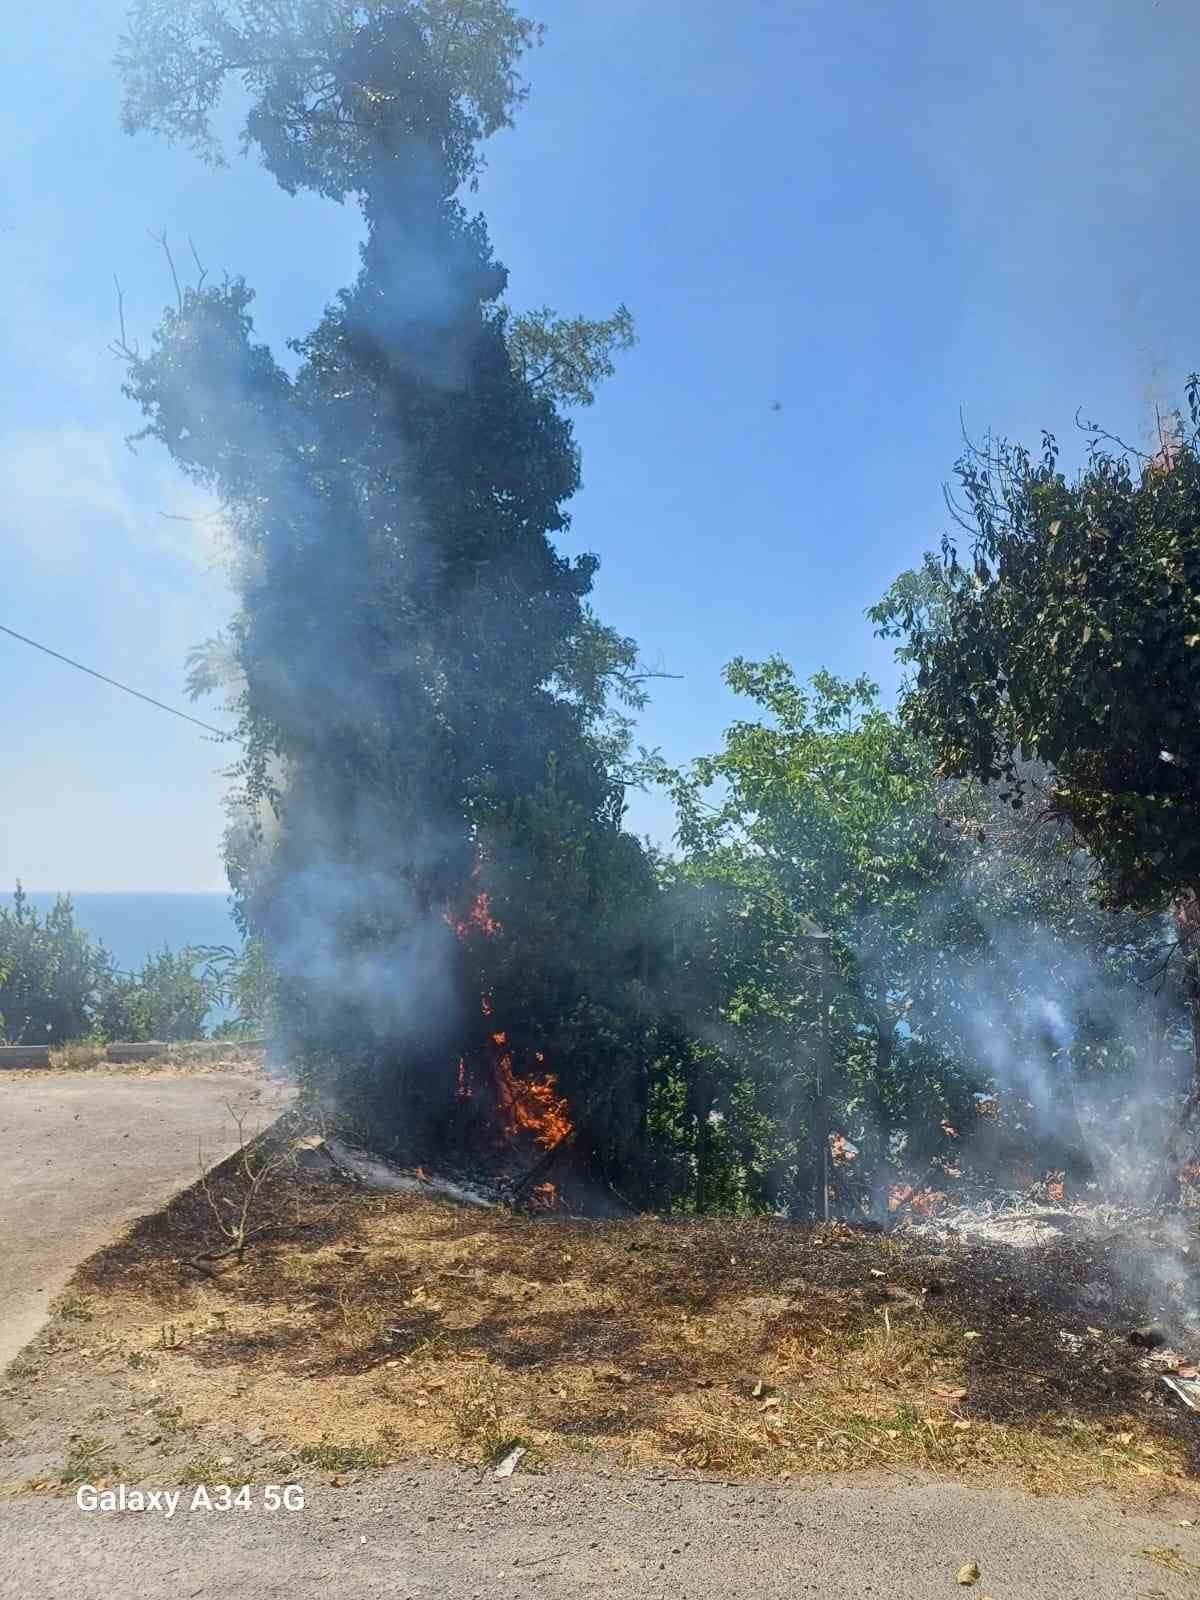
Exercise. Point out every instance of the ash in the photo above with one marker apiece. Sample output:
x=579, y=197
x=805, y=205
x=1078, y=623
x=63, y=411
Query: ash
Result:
x=1022, y=1223
x=386, y=1177
x=1131, y=1256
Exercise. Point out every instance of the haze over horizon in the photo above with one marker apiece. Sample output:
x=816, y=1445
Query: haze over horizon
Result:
x=871, y=217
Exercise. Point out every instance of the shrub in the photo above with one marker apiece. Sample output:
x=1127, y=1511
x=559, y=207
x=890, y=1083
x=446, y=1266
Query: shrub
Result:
x=50, y=973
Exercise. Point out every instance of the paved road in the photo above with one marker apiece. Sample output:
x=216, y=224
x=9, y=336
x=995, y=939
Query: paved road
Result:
x=85, y=1153
x=441, y=1534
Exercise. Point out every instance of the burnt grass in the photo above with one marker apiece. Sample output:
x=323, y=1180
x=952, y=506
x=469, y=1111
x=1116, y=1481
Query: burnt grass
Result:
x=834, y=1281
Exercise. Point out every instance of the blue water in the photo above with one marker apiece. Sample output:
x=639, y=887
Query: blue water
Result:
x=134, y=926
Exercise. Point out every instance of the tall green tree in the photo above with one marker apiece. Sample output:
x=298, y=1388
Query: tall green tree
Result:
x=420, y=667
x=829, y=805
x=1070, y=634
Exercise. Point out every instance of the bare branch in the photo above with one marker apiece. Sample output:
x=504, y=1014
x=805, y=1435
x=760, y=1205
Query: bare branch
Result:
x=202, y=270
x=162, y=240
x=254, y=1171
x=1095, y=431
x=178, y=516
x=120, y=347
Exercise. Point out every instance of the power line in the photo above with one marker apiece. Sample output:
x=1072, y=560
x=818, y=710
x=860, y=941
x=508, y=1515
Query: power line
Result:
x=221, y=733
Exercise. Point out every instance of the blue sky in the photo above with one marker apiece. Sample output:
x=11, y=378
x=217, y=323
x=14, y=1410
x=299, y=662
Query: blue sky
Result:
x=872, y=213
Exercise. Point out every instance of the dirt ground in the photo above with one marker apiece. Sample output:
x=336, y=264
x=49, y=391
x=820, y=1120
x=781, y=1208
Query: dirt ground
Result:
x=365, y=1329
x=85, y=1152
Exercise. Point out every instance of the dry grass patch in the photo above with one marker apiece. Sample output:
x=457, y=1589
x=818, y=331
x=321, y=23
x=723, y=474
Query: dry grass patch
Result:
x=88, y=1462
x=362, y=1328
x=79, y=1057
x=210, y=1471
x=331, y=1457
x=1170, y=1558
x=202, y=1055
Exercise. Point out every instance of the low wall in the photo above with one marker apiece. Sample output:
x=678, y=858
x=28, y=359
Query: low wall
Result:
x=38, y=1055
x=148, y=1051
x=24, y=1055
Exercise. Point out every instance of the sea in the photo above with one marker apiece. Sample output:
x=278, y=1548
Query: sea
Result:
x=136, y=925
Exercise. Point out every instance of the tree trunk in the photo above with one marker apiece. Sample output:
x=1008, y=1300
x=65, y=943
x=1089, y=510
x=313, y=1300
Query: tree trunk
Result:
x=820, y=1156
x=873, y=991
x=1187, y=924
x=821, y=1094
x=885, y=1049
x=703, y=1101
x=643, y=1074
x=703, y=1142
x=1186, y=914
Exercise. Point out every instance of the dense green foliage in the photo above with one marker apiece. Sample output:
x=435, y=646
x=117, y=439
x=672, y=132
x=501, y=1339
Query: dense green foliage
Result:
x=965, y=949
x=1071, y=637
x=57, y=985
x=51, y=977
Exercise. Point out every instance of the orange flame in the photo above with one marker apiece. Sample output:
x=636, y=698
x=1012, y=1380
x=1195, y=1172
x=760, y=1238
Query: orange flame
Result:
x=477, y=919
x=840, y=1150
x=530, y=1105
x=921, y=1202
x=526, y=1105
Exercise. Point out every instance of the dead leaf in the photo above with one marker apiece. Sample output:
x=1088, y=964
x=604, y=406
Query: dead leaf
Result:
x=758, y=1390
x=961, y=1425
x=968, y=1572
x=972, y=1335
x=878, y=1272
x=771, y=1401
x=945, y=1393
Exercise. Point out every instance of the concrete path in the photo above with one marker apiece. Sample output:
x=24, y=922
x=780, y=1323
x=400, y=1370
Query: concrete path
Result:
x=84, y=1153
x=441, y=1533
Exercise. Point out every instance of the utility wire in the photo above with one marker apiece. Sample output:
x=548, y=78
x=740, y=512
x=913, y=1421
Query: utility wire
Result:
x=137, y=693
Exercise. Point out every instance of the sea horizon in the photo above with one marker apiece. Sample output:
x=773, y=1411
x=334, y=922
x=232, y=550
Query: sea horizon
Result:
x=136, y=923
